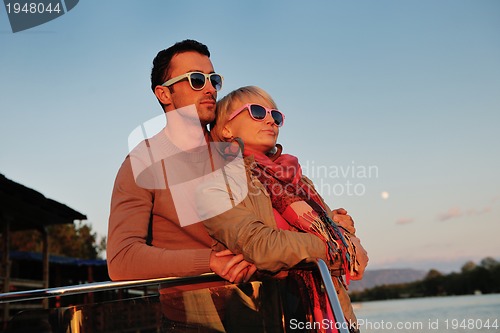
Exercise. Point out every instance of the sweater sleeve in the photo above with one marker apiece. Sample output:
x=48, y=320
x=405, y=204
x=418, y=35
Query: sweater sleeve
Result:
x=249, y=229
x=128, y=255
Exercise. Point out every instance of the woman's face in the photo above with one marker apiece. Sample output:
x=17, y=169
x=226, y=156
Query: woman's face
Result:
x=257, y=135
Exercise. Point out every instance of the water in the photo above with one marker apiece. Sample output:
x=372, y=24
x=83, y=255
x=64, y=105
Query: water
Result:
x=471, y=313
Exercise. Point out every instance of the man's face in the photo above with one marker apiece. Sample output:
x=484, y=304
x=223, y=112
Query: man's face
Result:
x=181, y=92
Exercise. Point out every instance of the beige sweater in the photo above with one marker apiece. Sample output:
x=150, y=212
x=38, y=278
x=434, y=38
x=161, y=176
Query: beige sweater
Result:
x=176, y=250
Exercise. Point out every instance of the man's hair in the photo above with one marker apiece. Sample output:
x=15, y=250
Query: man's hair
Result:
x=161, y=63
x=226, y=106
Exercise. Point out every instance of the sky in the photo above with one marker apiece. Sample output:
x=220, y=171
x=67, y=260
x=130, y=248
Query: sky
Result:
x=392, y=107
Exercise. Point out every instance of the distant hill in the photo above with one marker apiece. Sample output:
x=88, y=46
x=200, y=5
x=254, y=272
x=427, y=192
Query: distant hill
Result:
x=379, y=277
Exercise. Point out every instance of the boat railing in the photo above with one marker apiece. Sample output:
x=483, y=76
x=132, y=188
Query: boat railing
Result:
x=30, y=295
x=75, y=314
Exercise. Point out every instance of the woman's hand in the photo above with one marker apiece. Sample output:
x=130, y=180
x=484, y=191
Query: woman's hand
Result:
x=361, y=258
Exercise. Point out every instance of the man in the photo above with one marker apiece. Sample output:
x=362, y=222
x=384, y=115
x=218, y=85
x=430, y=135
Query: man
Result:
x=137, y=212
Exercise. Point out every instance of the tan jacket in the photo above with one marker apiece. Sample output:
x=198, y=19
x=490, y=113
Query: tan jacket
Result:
x=249, y=228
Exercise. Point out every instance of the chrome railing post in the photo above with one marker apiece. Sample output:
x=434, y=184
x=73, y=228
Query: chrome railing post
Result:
x=332, y=296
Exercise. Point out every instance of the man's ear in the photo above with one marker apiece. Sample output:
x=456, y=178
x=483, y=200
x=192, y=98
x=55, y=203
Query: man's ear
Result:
x=227, y=134
x=163, y=94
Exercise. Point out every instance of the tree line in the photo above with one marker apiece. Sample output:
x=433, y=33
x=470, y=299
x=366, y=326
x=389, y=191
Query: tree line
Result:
x=71, y=240
x=473, y=278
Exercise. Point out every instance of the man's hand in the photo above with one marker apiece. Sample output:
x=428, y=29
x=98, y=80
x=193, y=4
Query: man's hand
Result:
x=231, y=267
x=341, y=217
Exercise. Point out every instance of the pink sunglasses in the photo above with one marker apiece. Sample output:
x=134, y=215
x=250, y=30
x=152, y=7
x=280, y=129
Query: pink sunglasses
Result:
x=259, y=113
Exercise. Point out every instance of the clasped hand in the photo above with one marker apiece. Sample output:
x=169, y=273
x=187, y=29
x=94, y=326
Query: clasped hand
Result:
x=231, y=267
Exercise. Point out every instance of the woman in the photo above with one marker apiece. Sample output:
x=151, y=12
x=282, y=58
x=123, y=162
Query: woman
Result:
x=267, y=236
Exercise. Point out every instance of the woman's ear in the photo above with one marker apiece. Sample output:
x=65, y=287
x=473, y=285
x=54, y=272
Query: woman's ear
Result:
x=227, y=134
x=163, y=94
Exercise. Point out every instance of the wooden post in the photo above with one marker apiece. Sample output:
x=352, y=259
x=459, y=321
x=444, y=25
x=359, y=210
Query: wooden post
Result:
x=45, y=263
x=90, y=279
x=5, y=267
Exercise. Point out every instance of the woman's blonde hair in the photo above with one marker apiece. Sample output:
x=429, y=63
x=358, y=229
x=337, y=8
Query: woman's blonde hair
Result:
x=226, y=105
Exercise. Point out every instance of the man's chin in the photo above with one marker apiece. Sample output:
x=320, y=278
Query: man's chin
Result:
x=206, y=118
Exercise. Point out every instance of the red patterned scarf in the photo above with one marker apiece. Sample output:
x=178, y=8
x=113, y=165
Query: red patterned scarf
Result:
x=298, y=203
x=281, y=174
